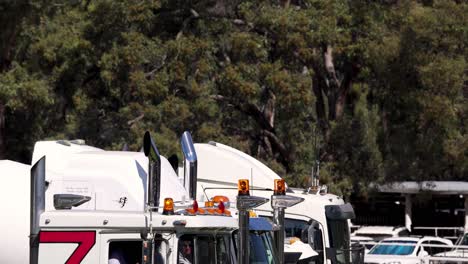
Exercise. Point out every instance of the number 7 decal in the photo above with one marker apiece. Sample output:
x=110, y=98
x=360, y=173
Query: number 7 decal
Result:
x=84, y=239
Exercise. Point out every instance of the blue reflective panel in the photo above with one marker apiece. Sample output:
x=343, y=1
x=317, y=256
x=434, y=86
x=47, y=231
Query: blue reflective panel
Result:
x=397, y=249
x=260, y=224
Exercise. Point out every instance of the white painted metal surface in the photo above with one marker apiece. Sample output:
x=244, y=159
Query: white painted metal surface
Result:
x=439, y=187
x=221, y=166
x=115, y=180
x=380, y=232
x=106, y=177
x=14, y=216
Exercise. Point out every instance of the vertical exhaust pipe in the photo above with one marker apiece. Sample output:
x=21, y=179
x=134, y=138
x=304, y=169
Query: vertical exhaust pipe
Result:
x=154, y=171
x=37, y=207
x=190, y=156
x=279, y=202
x=244, y=203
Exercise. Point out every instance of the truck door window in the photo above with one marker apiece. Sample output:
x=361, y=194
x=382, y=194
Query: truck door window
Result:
x=128, y=252
x=204, y=249
x=161, y=250
x=186, y=250
x=222, y=250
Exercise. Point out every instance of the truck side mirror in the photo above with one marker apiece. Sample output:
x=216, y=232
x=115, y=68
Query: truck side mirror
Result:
x=315, y=235
x=305, y=235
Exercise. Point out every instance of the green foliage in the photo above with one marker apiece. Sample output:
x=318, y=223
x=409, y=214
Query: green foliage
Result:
x=27, y=100
x=251, y=74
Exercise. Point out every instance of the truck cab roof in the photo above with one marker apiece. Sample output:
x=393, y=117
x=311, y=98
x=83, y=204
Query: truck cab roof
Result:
x=115, y=180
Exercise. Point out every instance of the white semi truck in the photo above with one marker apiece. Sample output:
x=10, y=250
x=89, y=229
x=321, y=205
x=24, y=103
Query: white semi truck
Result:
x=79, y=204
x=320, y=221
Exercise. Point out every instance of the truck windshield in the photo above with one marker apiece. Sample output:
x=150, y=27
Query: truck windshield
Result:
x=203, y=249
x=261, y=247
x=216, y=249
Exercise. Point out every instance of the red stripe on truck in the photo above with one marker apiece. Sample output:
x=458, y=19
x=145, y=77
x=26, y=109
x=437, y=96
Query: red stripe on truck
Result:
x=85, y=240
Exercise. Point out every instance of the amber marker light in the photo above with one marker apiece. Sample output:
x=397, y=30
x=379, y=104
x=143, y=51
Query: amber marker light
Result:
x=280, y=188
x=243, y=187
x=220, y=198
x=221, y=208
x=252, y=213
x=168, y=206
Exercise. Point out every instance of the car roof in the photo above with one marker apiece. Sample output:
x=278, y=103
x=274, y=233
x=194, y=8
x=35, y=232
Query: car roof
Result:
x=417, y=239
x=361, y=238
x=379, y=230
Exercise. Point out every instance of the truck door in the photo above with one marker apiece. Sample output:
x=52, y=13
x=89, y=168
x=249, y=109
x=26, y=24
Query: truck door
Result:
x=69, y=247
x=121, y=248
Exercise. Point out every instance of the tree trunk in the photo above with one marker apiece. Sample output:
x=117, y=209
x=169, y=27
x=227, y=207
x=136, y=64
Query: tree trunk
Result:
x=11, y=18
x=265, y=118
x=269, y=109
x=320, y=103
x=333, y=82
x=2, y=132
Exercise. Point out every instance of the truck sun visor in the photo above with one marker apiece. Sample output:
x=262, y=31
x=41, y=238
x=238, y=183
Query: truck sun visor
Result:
x=339, y=212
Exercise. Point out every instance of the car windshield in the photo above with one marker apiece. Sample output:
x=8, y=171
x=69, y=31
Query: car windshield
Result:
x=393, y=247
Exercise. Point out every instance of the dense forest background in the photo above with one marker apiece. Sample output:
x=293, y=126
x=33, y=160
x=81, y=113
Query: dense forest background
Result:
x=374, y=90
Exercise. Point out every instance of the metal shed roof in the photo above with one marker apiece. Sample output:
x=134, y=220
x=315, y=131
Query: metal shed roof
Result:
x=437, y=187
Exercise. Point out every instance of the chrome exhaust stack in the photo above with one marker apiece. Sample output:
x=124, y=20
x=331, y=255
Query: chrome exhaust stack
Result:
x=154, y=171
x=190, y=170
x=37, y=207
x=244, y=203
x=279, y=202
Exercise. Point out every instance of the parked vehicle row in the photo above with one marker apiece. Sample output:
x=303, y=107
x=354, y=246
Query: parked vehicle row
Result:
x=86, y=204
x=386, y=244
x=405, y=249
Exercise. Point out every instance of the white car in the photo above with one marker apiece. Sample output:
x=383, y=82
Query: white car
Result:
x=405, y=250
x=459, y=251
x=378, y=233
x=367, y=242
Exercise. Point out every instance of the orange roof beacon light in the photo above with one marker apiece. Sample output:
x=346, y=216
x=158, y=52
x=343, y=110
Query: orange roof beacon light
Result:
x=280, y=188
x=168, y=206
x=195, y=209
x=221, y=199
x=244, y=203
x=222, y=209
x=243, y=187
x=279, y=202
x=209, y=203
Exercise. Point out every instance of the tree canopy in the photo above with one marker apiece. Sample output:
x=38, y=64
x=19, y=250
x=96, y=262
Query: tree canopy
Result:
x=373, y=90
